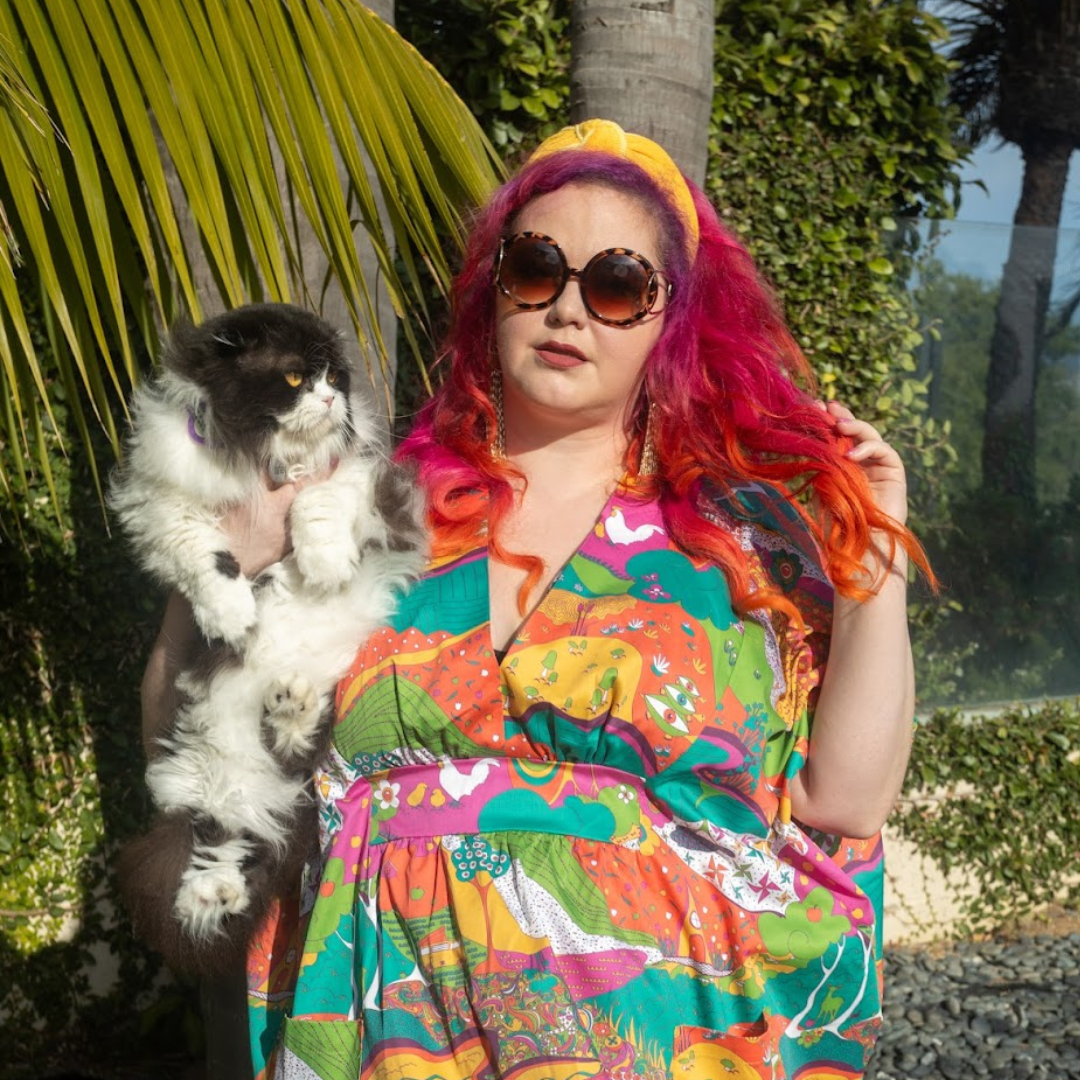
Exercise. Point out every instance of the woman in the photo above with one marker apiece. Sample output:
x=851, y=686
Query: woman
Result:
x=577, y=822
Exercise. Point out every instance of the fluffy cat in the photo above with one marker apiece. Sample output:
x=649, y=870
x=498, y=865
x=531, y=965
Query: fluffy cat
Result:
x=264, y=388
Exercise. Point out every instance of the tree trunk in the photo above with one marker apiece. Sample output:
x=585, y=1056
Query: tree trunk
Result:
x=647, y=64
x=1008, y=457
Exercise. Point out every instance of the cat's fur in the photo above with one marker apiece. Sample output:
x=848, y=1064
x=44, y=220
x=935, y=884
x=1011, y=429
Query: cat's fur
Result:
x=231, y=779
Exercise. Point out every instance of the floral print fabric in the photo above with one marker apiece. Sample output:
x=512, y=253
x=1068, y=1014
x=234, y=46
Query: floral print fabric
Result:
x=578, y=862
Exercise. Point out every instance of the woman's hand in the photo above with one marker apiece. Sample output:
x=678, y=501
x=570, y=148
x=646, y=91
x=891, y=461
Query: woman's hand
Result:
x=258, y=530
x=258, y=535
x=880, y=463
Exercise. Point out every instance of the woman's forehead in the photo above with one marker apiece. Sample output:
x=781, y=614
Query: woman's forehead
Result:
x=585, y=218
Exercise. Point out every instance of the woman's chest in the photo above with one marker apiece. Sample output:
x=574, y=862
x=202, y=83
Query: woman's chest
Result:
x=550, y=529
x=632, y=658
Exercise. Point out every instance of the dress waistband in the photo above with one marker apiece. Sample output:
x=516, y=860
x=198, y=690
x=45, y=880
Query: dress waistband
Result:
x=496, y=794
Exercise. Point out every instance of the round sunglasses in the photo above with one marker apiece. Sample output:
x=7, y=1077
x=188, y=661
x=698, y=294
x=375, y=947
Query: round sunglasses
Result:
x=618, y=286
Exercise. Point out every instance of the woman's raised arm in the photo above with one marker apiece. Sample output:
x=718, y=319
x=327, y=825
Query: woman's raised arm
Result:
x=861, y=737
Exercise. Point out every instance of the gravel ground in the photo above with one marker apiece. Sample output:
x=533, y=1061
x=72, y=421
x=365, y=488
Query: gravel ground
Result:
x=1001, y=1009
x=1007, y=1010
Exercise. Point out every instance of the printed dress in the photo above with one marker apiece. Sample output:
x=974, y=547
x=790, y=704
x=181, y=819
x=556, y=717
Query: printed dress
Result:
x=575, y=863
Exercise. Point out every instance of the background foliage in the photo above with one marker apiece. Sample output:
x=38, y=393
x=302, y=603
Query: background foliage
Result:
x=829, y=127
x=508, y=59
x=76, y=623
x=1001, y=807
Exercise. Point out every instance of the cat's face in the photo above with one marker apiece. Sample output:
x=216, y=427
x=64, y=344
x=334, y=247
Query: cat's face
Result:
x=274, y=378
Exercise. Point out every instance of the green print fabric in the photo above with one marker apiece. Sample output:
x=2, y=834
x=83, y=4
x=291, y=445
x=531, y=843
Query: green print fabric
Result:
x=577, y=862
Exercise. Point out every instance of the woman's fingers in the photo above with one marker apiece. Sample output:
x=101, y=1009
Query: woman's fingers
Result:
x=860, y=432
x=258, y=530
x=878, y=459
x=875, y=452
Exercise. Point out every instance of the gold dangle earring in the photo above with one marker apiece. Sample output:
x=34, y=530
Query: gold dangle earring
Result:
x=495, y=392
x=647, y=464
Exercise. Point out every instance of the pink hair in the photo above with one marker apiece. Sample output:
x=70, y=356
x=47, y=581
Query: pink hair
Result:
x=725, y=368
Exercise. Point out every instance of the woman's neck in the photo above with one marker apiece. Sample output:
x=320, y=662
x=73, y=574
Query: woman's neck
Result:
x=574, y=463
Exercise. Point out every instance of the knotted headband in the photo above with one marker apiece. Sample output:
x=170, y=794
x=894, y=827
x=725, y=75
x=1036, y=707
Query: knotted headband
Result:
x=607, y=137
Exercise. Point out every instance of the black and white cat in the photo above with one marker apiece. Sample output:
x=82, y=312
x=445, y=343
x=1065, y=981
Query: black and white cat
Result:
x=262, y=389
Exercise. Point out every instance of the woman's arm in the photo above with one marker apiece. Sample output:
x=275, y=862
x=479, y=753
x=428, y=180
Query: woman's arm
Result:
x=258, y=536
x=167, y=657
x=861, y=736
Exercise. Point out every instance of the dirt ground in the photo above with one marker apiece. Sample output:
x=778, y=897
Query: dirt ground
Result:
x=1059, y=921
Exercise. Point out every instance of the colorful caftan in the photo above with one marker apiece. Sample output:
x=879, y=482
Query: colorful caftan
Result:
x=574, y=863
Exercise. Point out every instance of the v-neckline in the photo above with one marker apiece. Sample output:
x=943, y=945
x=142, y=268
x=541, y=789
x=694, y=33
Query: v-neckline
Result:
x=515, y=637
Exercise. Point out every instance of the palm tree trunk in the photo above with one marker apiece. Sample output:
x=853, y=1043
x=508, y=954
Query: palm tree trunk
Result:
x=647, y=64
x=1008, y=457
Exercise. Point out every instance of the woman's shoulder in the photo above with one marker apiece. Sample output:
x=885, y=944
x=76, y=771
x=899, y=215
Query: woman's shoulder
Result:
x=777, y=539
x=764, y=514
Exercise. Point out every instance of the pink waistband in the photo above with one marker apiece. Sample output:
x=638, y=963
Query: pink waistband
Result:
x=495, y=794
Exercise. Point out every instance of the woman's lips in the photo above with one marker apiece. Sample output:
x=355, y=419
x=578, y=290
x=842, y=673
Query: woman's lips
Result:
x=555, y=354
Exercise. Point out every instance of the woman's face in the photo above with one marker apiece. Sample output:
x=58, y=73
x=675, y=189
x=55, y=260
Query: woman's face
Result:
x=561, y=367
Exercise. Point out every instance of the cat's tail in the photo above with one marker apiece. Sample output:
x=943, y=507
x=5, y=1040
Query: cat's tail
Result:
x=195, y=894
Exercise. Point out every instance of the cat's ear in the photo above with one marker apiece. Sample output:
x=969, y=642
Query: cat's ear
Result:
x=195, y=351
x=184, y=349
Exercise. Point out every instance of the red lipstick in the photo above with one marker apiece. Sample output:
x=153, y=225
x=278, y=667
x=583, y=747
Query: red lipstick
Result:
x=556, y=354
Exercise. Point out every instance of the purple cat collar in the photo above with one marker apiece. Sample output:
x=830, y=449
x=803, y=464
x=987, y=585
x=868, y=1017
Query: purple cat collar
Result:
x=196, y=424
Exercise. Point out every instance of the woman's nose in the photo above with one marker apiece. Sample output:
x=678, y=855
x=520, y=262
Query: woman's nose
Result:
x=569, y=309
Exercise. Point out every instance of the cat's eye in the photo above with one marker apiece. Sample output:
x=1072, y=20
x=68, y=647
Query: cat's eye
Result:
x=333, y=377
x=294, y=378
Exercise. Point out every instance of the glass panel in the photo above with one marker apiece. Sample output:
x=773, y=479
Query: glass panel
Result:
x=1008, y=380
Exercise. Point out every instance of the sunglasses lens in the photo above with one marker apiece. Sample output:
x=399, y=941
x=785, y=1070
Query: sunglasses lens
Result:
x=617, y=288
x=532, y=271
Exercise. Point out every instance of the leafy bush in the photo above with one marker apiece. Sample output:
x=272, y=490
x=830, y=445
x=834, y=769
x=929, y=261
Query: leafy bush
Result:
x=509, y=60
x=76, y=623
x=829, y=126
x=1002, y=806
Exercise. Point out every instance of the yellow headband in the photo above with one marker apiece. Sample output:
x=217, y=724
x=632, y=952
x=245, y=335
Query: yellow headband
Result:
x=607, y=137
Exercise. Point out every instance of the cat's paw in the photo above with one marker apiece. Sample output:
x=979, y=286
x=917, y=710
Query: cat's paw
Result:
x=207, y=897
x=327, y=564
x=225, y=609
x=321, y=529
x=292, y=711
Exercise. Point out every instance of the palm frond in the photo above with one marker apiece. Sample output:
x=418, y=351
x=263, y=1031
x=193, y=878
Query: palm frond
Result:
x=1015, y=66
x=142, y=140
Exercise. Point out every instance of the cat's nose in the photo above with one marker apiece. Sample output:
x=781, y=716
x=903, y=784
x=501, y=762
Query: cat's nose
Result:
x=328, y=401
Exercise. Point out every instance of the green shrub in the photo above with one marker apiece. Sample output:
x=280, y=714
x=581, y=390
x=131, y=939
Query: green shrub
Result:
x=829, y=126
x=999, y=802
x=76, y=621
x=509, y=60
